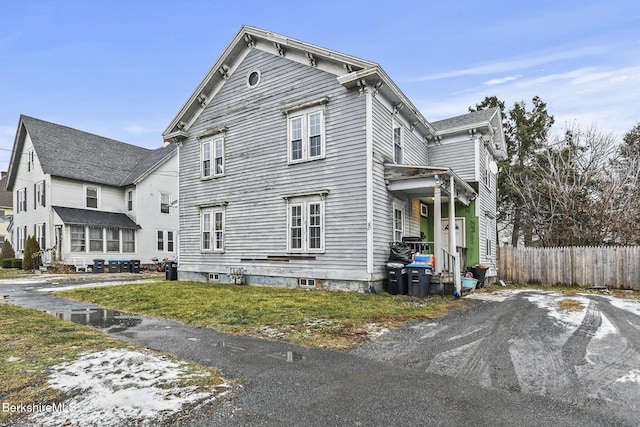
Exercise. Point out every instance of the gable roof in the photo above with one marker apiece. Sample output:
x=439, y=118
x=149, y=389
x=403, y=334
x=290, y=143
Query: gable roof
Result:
x=488, y=121
x=350, y=71
x=465, y=121
x=70, y=153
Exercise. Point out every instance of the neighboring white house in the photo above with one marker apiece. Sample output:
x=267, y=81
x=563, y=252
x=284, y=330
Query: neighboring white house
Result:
x=300, y=165
x=87, y=197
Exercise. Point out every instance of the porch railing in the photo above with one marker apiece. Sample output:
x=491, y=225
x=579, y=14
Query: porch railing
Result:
x=418, y=246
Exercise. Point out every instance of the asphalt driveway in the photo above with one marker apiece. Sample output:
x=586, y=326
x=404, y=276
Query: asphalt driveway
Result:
x=516, y=359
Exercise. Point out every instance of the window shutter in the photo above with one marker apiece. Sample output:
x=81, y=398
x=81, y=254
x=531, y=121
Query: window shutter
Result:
x=35, y=196
x=44, y=194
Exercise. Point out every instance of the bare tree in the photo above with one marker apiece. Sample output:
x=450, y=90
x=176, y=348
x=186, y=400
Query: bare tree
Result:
x=566, y=190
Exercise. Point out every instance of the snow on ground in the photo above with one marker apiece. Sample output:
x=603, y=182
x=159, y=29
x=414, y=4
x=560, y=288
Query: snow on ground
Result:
x=118, y=387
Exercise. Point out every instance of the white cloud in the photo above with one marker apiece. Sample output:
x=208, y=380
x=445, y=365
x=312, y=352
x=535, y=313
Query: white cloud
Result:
x=494, y=82
x=516, y=63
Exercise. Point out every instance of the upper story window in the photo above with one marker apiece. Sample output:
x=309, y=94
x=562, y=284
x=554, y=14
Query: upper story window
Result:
x=92, y=195
x=487, y=171
x=30, y=160
x=212, y=157
x=39, y=194
x=129, y=200
x=21, y=195
x=165, y=201
x=306, y=136
x=398, y=142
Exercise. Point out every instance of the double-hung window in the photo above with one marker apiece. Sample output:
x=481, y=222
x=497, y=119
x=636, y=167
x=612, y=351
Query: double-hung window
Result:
x=96, y=240
x=165, y=201
x=487, y=171
x=212, y=157
x=22, y=237
x=398, y=221
x=128, y=240
x=30, y=160
x=39, y=194
x=78, y=243
x=129, y=200
x=306, y=136
x=305, y=228
x=22, y=200
x=165, y=241
x=91, y=196
x=212, y=226
x=113, y=239
x=398, y=142
x=40, y=232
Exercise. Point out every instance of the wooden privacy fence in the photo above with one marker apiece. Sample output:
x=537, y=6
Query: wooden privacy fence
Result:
x=611, y=266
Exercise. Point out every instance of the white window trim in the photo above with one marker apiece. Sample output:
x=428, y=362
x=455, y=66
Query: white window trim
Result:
x=398, y=206
x=214, y=153
x=397, y=125
x=21, y=196
x=129, y=200
x=30, y=160
x=165, y=241
x=304, y=204
x=487, y=172
x=98, y=193
x=212, y=230
x=40, y=194
x=168, y=203
x=305, y=116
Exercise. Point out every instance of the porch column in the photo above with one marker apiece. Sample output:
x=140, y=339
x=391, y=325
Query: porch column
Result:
x=437, y=228
x=452, y=236
x=452, y=216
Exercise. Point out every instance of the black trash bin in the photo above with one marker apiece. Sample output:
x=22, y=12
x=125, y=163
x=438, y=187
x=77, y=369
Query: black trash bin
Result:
x=171, y=270
x=135, y=266
x=98, y=266
x=396, y=279
x=114, y=266
x=418, y=279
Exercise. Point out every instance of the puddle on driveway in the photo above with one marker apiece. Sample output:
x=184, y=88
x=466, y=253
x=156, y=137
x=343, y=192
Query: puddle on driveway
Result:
x=113, y=321
x=288, y=356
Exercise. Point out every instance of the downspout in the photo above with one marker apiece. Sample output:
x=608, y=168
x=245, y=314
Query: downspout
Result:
x=369, y=177
x=452, y=236
x=178, y=146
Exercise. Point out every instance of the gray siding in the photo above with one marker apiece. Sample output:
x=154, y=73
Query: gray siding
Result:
x=258, y=175
x=457, y=154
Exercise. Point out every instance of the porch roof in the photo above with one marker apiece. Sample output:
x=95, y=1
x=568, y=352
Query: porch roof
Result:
x=419, y=181
x=98, y=218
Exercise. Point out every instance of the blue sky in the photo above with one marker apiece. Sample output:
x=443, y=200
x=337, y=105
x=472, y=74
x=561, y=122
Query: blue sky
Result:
x=123, y=69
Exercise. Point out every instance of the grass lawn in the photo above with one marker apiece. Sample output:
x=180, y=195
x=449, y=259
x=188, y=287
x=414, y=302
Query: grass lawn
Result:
x=337, y=320
x=31, y=342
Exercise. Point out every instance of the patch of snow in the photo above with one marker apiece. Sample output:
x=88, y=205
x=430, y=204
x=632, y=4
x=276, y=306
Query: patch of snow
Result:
x=550, y=300
x=632, y=306
x=118, y=386
x=498, y=296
